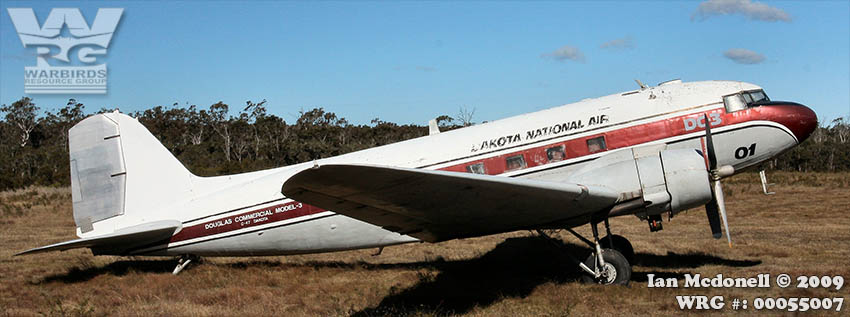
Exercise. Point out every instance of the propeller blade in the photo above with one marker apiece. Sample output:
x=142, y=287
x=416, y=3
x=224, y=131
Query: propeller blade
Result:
x=709, y=145
x=713, y=218
x=717, y=202
x=721, y=204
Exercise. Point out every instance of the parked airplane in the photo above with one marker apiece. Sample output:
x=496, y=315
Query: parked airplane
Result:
x=648, y=152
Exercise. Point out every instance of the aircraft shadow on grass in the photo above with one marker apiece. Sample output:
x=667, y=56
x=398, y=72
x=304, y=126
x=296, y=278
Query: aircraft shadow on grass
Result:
x=514, y=268
x=117, y=268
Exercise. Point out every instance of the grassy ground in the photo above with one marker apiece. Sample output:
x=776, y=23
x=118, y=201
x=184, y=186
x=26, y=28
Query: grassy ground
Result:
x=803, y=229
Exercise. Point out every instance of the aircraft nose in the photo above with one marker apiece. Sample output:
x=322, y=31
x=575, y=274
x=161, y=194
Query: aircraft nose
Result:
x=802, y=121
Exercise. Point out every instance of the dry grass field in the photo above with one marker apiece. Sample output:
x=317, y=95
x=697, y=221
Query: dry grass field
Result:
x=803, y=229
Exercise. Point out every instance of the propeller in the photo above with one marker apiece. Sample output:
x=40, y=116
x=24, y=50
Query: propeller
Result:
x=717, y=202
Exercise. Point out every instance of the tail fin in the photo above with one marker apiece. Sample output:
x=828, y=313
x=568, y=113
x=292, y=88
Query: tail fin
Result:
x=121, y=175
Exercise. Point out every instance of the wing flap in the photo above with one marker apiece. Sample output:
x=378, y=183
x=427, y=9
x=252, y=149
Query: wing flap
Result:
x=123, y=239
x=440, y=205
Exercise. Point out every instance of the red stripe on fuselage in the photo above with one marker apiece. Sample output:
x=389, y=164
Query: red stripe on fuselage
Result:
x=248, y=219
x=575, y=148
x=627, y=137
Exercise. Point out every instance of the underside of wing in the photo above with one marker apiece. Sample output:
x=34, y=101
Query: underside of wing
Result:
x=439, y=205
x=118, y=241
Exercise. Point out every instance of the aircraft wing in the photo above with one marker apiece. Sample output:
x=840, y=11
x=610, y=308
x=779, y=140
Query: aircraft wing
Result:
x=438, y=205
x=123, y=239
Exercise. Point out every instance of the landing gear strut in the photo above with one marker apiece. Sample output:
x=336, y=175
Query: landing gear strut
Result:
x=619, y=243
x=605, y=265
x=614, y=270
x=184, y=261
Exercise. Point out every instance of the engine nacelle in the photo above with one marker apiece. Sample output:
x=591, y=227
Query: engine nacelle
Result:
x=665, y=180
x=687, y=179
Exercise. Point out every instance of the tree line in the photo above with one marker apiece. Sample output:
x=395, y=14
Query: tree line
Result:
x=209, y=141
x=212, y=141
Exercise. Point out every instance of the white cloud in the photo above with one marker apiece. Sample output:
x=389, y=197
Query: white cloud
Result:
x=619, y=44
x=566, y=53
x=743, y=56
x=752, y=10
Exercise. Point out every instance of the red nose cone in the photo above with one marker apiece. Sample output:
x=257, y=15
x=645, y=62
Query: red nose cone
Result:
x=798, y=118
x=802, y=121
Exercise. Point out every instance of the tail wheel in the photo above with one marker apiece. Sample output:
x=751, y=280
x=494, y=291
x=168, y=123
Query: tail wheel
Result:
x=616, y=270
x=620, y=244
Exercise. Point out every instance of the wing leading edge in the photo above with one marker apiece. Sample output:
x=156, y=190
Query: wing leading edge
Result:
x=438, y=205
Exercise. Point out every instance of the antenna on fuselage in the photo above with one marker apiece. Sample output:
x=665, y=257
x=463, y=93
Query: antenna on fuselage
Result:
x=642, y=86
x=433, y=128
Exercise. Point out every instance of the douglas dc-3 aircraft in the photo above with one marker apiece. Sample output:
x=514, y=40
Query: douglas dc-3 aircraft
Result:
x=653, y=151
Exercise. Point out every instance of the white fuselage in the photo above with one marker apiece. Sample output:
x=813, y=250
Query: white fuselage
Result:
x=247, y=214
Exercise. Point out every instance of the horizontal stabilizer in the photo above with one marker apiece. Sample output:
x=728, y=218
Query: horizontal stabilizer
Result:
x=120, y=240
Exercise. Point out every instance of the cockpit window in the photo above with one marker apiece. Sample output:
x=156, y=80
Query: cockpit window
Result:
x=734, y=103
x=744, y=100
x=758, y=96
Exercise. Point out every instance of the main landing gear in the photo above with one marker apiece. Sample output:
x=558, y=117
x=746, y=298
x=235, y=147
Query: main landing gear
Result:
x=609, y=262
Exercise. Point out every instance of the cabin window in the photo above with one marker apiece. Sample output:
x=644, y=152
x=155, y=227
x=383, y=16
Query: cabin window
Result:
x=596, y=144
x=556, y=153
x=514, y=163
x=476, y=168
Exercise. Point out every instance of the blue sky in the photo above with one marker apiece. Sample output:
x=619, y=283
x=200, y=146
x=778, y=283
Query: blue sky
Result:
x=408, y=62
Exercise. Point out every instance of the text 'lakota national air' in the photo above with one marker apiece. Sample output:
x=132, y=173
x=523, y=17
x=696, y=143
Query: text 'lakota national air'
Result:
x=542, y=132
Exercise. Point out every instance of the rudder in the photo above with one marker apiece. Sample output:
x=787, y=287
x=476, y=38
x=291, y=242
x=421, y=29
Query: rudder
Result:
x=121, y=174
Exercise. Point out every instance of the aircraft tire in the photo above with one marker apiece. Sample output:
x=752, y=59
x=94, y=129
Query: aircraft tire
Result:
x=620, y=244
x=619, y=272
